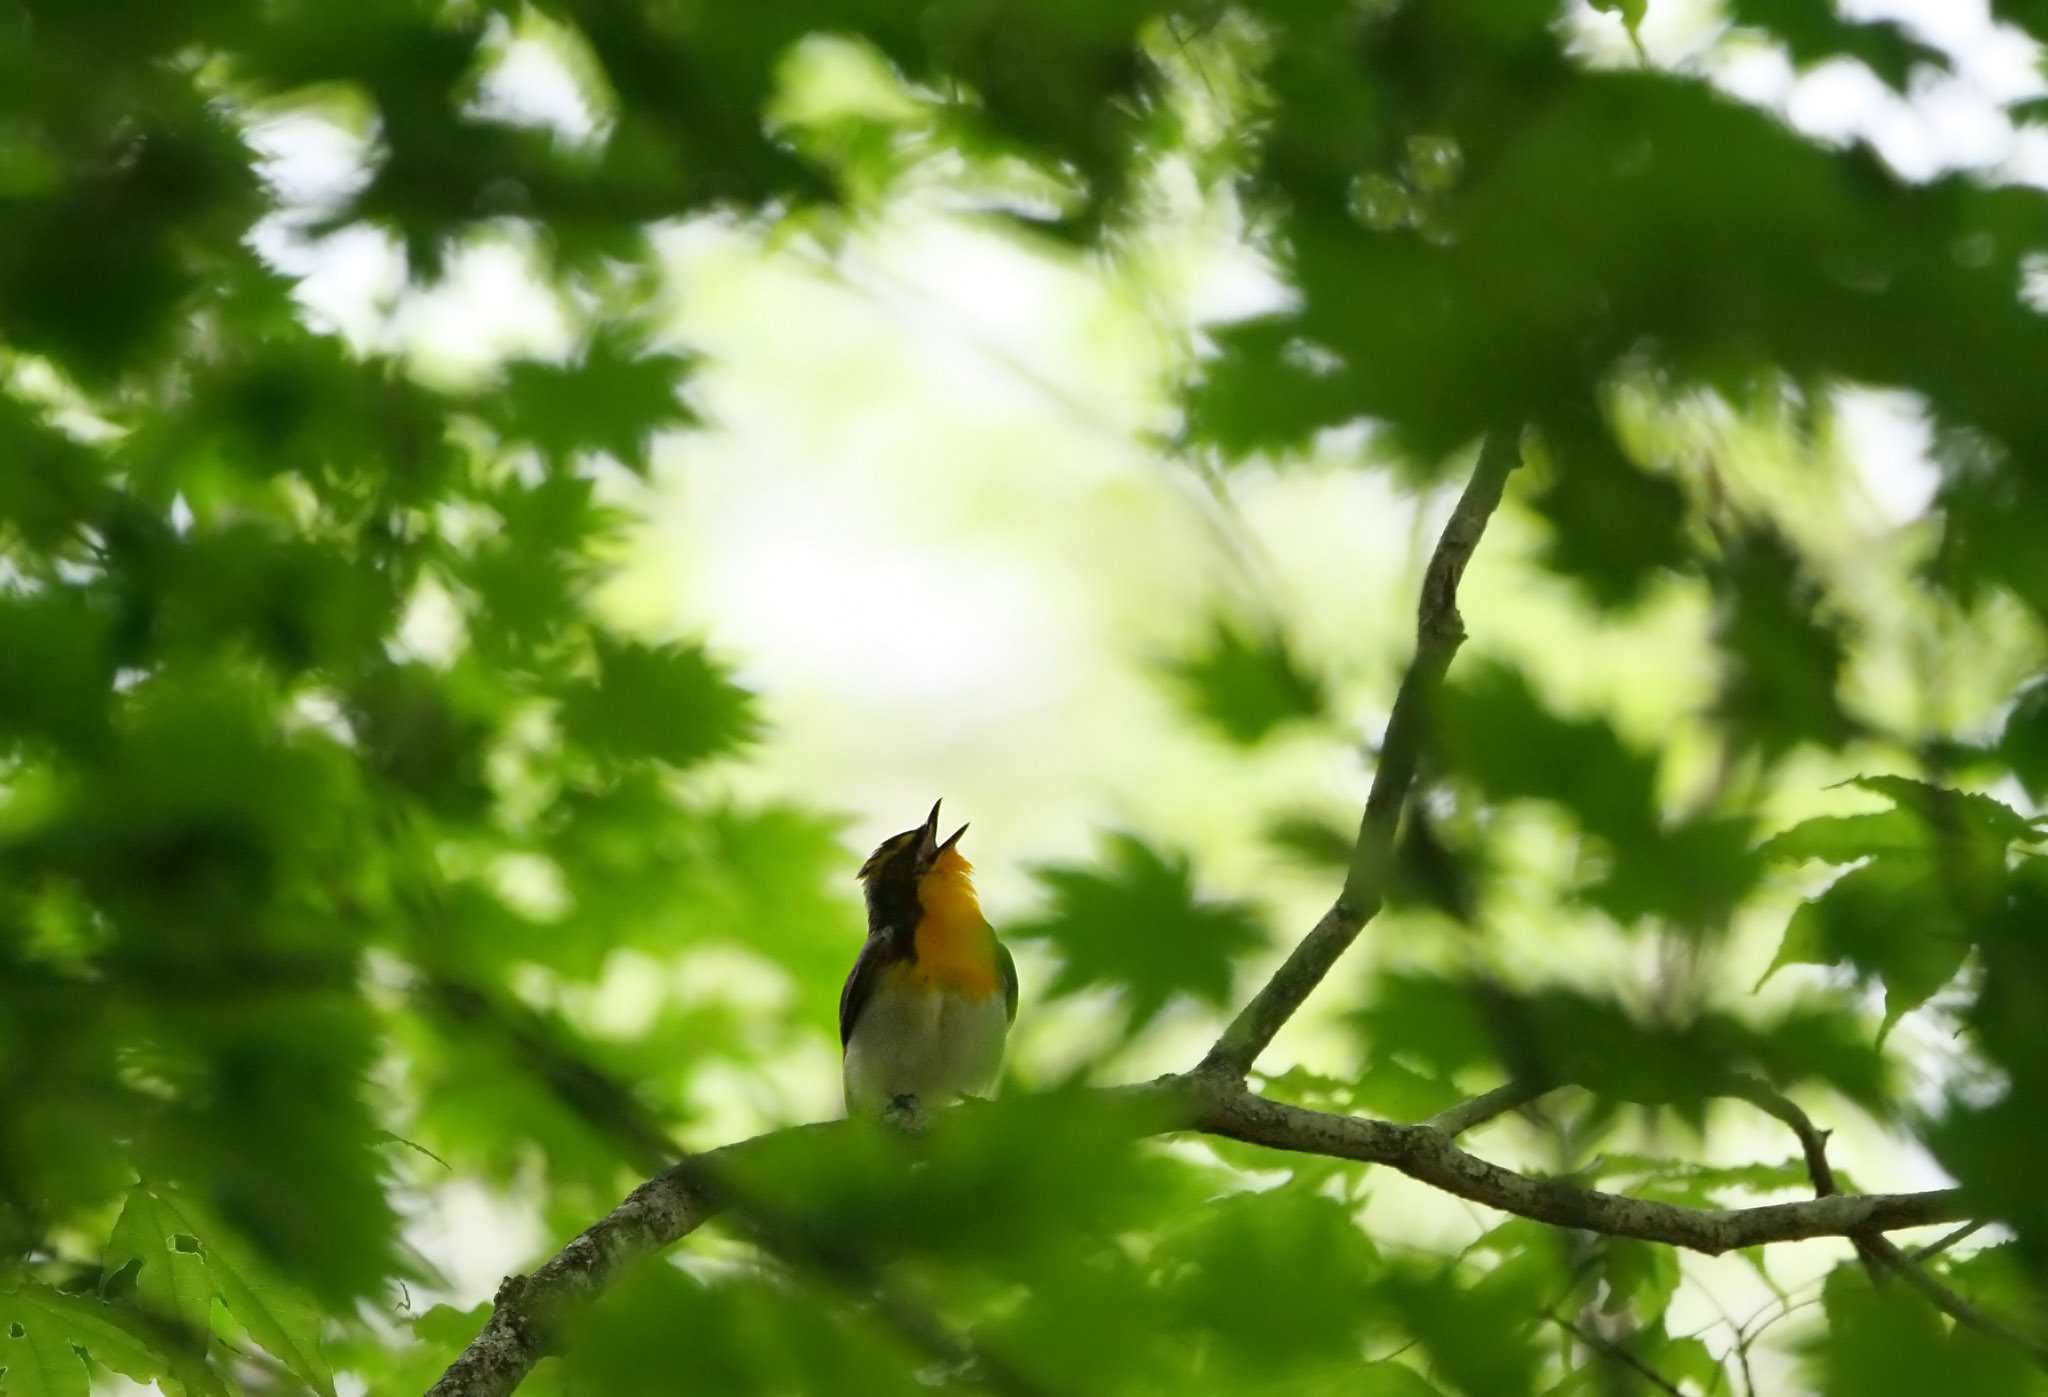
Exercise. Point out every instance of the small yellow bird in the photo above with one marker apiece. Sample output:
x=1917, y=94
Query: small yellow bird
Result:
x=925, y=1013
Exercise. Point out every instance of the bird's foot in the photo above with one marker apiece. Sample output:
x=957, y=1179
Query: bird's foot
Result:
x=904, y=1113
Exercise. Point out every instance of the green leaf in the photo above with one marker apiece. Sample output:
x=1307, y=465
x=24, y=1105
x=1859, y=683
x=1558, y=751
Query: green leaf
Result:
x=1997, y=1277
x=1391, y=1089
x=44, y=1333
x=1631, y=11
x=1909, y=917
x=613, y=397
x=1889, y=921
x=1280, y=1271
x=39, y=1358
x=1673, y=1360
x=1614, y=526
x=673, y=703
x=1984, y=505
x=1640, y=1277
x=1313, y=840
x=56, y=670
x=1815, y=32
x=1562, y=1035
x=172, y=1284
x=1246, y=683
x=1391, y=1379
x=1966, y=832
x=1683, y=1357
x=1784, y=652
x=1442, y=1315
x=187, y=1260
x=1946, y=810
x=1693, y=874
x=1890, y=1340
x=1431, y=870
x=1137, y=925
x=1269, y=391
x=426, y=1345
x=284, y=1321
x=1493, y=730
x=1847, y=839
x=2024, y=742
x=1702, y=1185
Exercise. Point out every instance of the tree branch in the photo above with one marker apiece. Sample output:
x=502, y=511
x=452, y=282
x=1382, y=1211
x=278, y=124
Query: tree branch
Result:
x=1956, y=1307
x=1476, y=1111
x=1880, y=1254
x=1439, y=631
x=1425, y=1153
x=681, y=1198
x=528, y=1309
x=1948, y=1239
x=1617, y=1353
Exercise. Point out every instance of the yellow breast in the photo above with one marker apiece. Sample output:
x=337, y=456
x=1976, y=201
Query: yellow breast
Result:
x=956, y=951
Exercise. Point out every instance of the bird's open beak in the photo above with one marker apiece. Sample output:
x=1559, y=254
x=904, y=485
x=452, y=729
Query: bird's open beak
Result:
x=928, y=837
x=952, y=839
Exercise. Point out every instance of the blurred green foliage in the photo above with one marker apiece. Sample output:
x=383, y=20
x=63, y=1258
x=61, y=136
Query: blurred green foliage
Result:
x=329, y=797
x=1138, y=924
x=1247, y=684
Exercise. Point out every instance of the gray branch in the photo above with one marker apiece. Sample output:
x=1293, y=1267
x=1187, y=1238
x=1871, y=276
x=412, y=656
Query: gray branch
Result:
x=1426, y=1153
x=1439, y=631
x=1476, y=1111
x=1881, y=1254
x=680, y=1199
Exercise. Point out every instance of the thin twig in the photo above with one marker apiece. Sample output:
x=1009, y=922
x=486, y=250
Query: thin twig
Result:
x=1476, y=1111
x=1948, y=1239
x=1957, y=1308
x=1439, y=631
x=1614, y=1352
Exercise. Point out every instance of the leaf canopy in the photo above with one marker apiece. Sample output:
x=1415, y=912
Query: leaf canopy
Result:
x=374, y=853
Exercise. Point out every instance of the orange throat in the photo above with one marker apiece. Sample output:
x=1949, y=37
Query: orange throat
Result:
x=955, y=949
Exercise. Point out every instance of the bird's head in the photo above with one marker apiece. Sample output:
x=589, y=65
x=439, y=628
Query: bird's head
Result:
x=897, y=872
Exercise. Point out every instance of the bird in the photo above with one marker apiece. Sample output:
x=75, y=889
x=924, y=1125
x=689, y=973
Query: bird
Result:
x=926, y=1011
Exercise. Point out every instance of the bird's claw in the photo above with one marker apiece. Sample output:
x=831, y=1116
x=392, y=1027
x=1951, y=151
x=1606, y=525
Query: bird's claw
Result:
x=904, y=1113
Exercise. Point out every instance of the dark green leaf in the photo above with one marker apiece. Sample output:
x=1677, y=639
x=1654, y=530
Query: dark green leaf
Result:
x=671, y=702
x=1564, y=1036
x=1493, y=730
x=1614, y=526
x=1137, y=925
x=1890, y=921
x=613, y=397
x=1784, y=654
x=1313, y=840
x=2024, y=744
x=1246, y=683
x=1887, y=1340
x=1814, y=31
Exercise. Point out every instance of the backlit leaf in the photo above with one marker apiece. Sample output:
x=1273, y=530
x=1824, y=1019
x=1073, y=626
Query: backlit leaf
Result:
x=1246, y=684
x=1137, y=924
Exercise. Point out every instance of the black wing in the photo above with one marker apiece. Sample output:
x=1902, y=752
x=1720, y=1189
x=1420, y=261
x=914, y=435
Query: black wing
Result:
x=1008, y=969
x=875, y=957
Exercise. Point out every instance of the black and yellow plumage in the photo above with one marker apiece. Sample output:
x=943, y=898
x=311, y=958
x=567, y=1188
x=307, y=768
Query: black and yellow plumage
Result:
x=929, y=1004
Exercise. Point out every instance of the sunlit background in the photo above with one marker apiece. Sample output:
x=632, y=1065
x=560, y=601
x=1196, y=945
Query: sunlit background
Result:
x=935, y=517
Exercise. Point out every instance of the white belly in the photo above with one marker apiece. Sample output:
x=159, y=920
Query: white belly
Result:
x=934, y=1046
